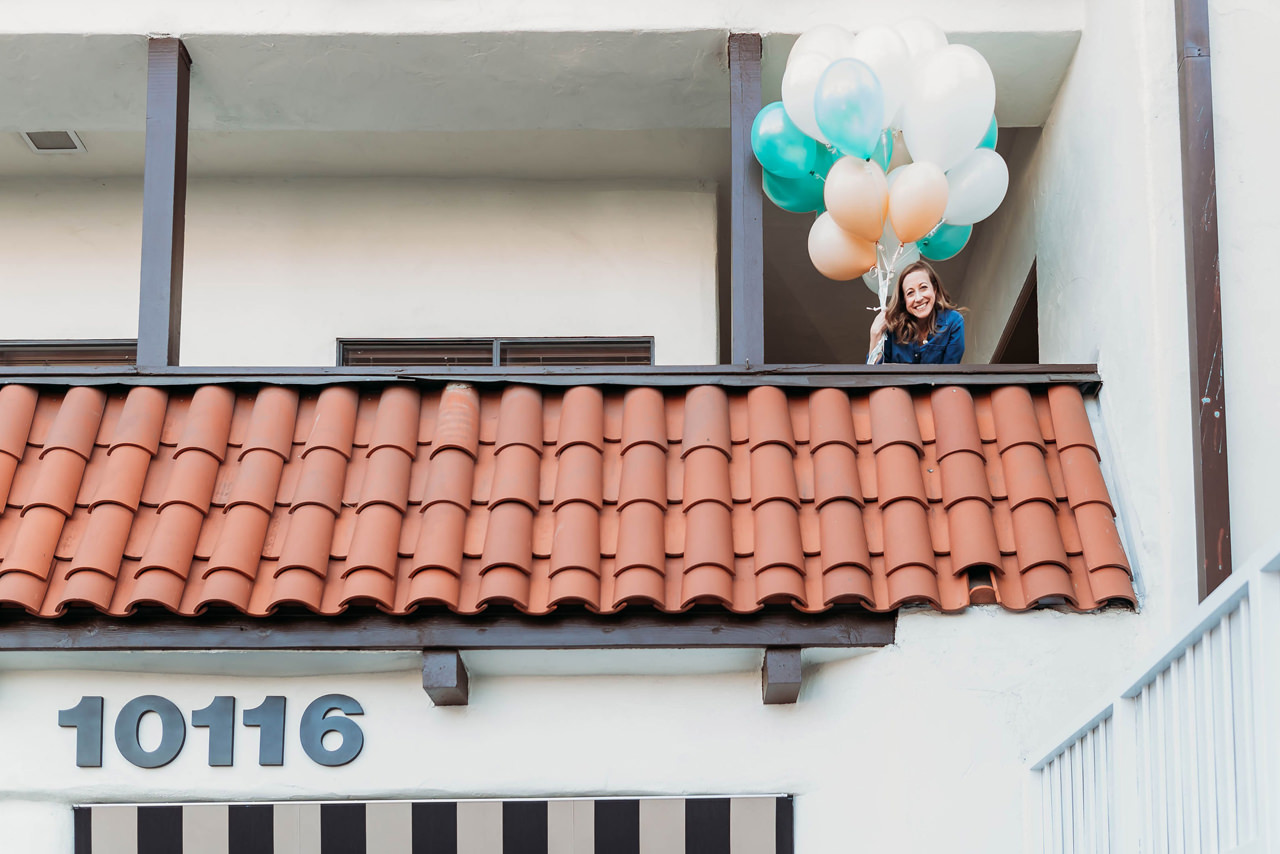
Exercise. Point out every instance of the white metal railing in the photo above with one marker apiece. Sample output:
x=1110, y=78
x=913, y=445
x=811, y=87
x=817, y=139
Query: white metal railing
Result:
x=1075, y=788
x=1185, y=758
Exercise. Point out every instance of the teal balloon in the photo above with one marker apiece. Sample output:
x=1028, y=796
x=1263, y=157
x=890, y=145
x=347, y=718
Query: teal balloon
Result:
x=884, y=150
x=780, y=146
x=849, y=107
x=798, y=195
x=993, y=131
x=944, y=242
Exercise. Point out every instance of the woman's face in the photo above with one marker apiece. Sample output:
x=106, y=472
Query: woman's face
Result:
x=918, y=294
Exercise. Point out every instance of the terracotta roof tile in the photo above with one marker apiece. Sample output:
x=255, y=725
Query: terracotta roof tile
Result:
x=401, y=497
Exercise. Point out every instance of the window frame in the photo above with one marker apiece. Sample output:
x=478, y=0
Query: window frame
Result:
x=502, y=352
x=68, y=352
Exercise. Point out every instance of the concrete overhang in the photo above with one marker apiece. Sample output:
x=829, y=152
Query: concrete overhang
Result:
x=409, y=102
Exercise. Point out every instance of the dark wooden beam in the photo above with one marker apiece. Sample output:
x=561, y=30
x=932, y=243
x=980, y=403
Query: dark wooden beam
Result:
x=494, y=629
x=444, y=677
x=164, y=202
x=746, y=202
x=780, y=677
x=806, y=376
x=1204, y=301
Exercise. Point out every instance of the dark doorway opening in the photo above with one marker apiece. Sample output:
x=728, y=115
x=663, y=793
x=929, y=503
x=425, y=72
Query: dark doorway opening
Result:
x=1020, y=342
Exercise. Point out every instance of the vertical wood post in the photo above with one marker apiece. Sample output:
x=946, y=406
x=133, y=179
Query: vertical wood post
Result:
x=1204, y=302
x=164, y=203
x=746, y=200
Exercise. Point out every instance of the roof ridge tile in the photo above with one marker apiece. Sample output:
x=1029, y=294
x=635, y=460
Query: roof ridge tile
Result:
x=644, y=418
x=1082, y=477
x=581, y=419
x=1070, y=419
x=207, y=426
x=706, y=421
x=334, y=427
x=307, y=543
x=376, y=538
x=706, y=478
x=773, y=475
x=141, y=420
x=76, y=425
x=17, y=412
x=956, y=421
x=271, y=424
x=1026, y=475
x=517, y=473
x=457, y=421
x=1015, y=420
x=769, y=418
x=898, y=474
x=396, y=423
x=579, y=476
x=893, y=419
x=830, y=419
x=520, y=419
x=643, y=474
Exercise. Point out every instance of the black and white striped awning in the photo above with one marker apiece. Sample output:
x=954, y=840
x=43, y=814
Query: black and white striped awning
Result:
x=747, y=825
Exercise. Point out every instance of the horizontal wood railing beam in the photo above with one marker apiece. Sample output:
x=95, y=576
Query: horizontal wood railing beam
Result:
x=792, y=376
x=503, y=629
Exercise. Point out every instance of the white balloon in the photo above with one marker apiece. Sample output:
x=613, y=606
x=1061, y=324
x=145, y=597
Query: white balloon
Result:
x=886, y=53
x=799, y=85
x=829, y=40
x=976, y=187
x=921, y=36
x=949, y=109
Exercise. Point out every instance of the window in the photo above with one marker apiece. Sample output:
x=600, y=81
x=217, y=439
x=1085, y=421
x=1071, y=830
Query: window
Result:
x=56, y=353
x=495, y=352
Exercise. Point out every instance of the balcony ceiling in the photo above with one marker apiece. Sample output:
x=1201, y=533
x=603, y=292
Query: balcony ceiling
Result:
x=535, y=103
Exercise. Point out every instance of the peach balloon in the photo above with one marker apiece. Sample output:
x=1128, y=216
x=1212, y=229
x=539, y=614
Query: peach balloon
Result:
x=857, y=197
x=836, y=253
x=917, y=200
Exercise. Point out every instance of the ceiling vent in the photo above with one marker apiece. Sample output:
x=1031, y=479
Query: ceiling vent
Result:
x=53, y=141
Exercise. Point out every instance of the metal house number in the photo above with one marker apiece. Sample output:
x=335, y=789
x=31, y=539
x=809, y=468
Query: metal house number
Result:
x=219, y=718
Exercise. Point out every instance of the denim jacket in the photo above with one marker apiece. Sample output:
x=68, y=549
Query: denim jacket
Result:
x=946, y=347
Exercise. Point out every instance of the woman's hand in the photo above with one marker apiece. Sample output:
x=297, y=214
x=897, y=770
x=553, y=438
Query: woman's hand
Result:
x=878, y=327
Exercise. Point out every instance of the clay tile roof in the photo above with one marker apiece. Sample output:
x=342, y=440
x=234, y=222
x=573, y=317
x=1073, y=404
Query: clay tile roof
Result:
x=395, y=497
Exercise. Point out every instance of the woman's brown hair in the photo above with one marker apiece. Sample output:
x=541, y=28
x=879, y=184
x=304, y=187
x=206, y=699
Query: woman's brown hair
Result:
x=904, y=326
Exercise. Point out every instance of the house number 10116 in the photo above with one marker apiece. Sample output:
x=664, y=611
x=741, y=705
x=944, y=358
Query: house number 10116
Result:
x=220, y=718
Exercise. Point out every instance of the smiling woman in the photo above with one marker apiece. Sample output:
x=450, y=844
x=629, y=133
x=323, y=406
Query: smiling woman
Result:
x=921, y=325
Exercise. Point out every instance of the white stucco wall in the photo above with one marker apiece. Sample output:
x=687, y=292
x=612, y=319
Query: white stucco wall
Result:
x=276, y=270
x=918, y=747
x=1097, y=203
x=1246, y=125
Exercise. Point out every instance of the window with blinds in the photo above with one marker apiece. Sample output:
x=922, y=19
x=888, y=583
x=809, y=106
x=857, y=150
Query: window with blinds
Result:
x=55, y=353
x=495, y=352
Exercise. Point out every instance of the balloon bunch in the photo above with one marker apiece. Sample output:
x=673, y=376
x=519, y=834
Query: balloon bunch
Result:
x=889, y=135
